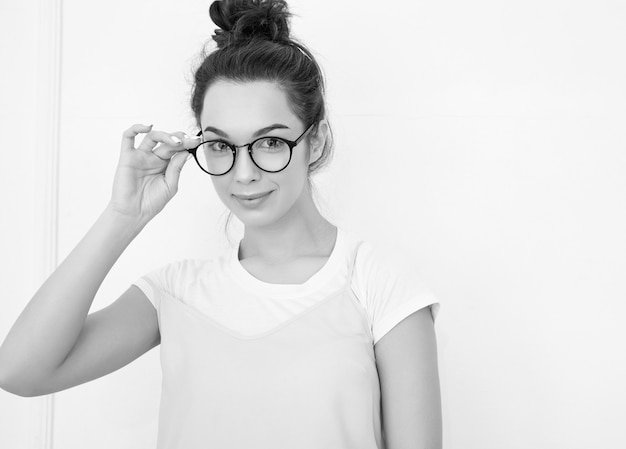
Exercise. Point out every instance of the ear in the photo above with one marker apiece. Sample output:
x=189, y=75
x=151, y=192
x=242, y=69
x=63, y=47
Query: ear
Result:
x=317, y=140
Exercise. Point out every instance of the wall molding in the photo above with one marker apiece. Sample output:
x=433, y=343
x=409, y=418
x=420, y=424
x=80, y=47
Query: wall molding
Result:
x=48, y=119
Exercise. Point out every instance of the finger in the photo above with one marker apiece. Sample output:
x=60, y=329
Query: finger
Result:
x=172, y=172
x=157, y=153
x=128, y=136
x=153, y=138
x=188, y=141
x=191, y=141
x=165, y=151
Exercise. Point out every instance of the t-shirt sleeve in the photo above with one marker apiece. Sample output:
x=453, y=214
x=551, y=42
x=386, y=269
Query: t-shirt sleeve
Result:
x=160, y=282
x=388, y=290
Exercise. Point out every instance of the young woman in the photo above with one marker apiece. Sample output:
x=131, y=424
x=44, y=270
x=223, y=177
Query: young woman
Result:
x=300, y=336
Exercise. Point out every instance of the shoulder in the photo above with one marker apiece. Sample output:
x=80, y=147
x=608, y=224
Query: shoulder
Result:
x=175, y=277
x=387, y=283
x=377, y=263
x=183, y=268
x=183, y=278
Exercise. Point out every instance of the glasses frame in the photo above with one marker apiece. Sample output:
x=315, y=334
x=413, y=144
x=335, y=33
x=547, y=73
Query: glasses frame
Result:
x=290, y=143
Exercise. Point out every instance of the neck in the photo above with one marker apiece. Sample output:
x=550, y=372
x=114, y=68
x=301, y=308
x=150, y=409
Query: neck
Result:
x=303, y=231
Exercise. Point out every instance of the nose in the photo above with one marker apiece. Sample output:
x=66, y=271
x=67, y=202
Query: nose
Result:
x=244, y=170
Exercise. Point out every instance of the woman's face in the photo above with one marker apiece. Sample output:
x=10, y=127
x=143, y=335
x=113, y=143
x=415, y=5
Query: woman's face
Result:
x=240, y=113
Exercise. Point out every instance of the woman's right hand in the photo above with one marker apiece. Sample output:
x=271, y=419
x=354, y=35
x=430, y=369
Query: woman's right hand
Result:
x=147, y=176
x=47, y=351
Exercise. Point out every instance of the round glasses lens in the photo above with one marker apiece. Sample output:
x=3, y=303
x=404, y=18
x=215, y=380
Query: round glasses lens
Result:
x=215, y=156
x=271, y=153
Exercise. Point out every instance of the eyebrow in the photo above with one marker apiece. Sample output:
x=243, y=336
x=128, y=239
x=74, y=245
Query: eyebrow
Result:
x=258, y=133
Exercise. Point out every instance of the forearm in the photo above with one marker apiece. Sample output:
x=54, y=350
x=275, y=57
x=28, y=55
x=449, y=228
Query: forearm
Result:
x=47, y=329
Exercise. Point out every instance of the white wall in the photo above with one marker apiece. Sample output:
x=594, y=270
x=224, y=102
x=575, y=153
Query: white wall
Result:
x=28, y=112
x=488, y=139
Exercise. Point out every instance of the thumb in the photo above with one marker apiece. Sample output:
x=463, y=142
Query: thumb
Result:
x=172, y=172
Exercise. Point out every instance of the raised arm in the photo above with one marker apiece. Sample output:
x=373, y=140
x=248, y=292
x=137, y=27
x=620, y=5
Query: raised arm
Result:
x=54, y=344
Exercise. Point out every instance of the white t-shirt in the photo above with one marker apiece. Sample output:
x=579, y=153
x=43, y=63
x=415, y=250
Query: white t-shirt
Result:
x=224, y=291
x=247, y=363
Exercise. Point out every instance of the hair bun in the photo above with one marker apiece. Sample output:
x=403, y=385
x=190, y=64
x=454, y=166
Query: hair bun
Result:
x=242, y=20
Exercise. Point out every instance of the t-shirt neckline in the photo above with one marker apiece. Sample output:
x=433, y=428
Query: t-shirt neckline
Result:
x=318, y=280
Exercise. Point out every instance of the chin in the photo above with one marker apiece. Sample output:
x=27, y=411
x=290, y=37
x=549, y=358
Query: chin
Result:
x=253, y=220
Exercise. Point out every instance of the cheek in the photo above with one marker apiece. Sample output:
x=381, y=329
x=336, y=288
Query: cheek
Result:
x=300, y=159
x=297, y=172
x=220, y=185
x=305, y=155
x=291, y=183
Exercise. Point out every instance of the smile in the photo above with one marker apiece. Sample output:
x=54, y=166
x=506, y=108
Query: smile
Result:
x=253, y=199
x=252, y=196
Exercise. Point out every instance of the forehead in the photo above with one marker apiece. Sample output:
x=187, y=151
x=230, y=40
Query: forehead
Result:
x=240, y=106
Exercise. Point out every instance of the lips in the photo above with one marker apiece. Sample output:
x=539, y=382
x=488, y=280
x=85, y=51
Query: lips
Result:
x=250, y=196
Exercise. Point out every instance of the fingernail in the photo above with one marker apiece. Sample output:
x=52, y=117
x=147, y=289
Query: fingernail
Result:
x=176, y=139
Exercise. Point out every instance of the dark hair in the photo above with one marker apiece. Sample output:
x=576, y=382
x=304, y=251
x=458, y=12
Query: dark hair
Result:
x=253, y=43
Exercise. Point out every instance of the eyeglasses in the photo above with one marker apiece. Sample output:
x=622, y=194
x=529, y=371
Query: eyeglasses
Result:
x=269, y=153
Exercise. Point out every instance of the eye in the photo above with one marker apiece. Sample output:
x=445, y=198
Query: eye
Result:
x=270, y=144
x=218, y=146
